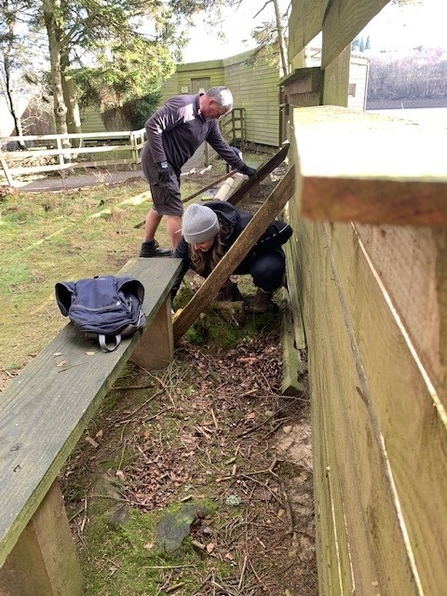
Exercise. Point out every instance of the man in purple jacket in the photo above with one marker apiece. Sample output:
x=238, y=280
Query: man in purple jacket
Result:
x=174, y=133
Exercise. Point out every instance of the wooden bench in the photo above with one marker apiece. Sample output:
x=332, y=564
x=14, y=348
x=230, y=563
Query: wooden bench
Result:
x=43, y=413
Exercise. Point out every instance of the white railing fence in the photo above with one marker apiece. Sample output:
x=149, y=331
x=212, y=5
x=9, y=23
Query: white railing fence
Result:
x=58, y=153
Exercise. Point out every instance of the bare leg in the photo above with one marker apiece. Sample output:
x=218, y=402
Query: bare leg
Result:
x=152, y=222
x=174, y=228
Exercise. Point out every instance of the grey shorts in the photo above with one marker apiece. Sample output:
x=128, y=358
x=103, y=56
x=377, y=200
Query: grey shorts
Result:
x=166, y=198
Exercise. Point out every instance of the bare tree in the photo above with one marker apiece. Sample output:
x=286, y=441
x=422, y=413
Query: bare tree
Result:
x=271, y=36
x=280, y=32
x=17, y=56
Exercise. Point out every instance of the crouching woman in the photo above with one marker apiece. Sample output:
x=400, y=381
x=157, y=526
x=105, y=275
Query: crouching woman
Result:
x=209, y=231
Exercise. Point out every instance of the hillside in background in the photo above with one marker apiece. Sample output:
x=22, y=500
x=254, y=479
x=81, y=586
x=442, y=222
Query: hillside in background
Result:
x=413, y=79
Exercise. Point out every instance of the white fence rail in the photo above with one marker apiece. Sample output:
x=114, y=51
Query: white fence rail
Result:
x=52, y=153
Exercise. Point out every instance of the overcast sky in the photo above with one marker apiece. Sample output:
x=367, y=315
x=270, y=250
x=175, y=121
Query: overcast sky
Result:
x=393, y=28
x=410, y=26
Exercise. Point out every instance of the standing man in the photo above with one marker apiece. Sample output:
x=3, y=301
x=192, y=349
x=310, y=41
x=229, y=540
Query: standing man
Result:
x=174, y=133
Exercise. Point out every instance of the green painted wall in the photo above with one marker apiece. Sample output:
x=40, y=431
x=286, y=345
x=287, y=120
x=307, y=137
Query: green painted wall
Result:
x=91, y=120
x=254, y=88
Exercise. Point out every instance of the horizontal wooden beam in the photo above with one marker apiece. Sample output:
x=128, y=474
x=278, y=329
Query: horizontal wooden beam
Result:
x=357, y=166
x=342, y=22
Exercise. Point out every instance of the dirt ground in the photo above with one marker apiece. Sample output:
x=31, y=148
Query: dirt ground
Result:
x=213, y=430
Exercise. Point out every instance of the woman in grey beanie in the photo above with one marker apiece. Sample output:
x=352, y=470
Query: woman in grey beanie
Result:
x=209, y=230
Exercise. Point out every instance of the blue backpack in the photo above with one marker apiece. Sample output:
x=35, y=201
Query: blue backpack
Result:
x=104, y=308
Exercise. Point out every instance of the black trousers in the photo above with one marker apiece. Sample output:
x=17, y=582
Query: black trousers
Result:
x=267, y=269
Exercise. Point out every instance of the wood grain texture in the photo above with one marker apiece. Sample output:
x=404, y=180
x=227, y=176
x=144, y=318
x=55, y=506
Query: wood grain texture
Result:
x=404, y=408
x=263, y=171
x=306, y=20
x=342, y=22
x=363, y=167
x=385, y=442
x=44, y=411
x=411, y=263
x=35, y=566
x=291, y=358
x=293, y=285
x=336, y=79
x=368, y=540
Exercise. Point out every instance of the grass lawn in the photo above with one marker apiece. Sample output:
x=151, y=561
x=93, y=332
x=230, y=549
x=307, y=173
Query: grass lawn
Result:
x=60, y=236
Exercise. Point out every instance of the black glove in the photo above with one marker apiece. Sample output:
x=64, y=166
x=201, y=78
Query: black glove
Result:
x=248, y=171
x=164, y=172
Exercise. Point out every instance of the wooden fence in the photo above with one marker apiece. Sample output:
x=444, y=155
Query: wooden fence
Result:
x=370, y=216
x=58, y=153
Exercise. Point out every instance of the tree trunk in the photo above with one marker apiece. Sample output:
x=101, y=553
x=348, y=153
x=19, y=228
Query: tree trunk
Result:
x=73, y=118
x=281, y=40
x=8, y=65
x=55, y=33
x=11, y=107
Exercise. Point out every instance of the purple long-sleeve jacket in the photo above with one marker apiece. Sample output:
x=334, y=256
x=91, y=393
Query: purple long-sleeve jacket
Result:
x=177, y=129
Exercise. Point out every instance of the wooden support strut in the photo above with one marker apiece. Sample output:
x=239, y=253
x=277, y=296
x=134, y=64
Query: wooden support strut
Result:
x=266, y=169
x=199, y=192
x=256, y=227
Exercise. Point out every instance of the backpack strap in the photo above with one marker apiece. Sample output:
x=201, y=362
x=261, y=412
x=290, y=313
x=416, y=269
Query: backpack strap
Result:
x=110, y=342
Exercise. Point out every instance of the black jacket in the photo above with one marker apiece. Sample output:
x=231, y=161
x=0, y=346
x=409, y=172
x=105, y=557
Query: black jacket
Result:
x=237, y=220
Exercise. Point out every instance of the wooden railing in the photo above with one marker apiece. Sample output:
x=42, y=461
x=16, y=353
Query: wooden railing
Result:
x=57, y=153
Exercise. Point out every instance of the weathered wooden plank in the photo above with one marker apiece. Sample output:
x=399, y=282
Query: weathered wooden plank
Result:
x=366, y=504
x=7, y=172
x=411, y=263
x=343, y=20
x=156, y=348
x=335, y=572
x=396, y=398
x=44, y=410
x=363, y=167
x=259, y=223
x=36, y=566
x=336, y=79
x=292, y=365
x=406, y=409
x=293, y=285
x=340, y=21
x=306, y=21
x=262, y=173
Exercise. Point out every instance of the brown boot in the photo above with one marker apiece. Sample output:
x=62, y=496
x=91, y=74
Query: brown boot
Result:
x=260, y=301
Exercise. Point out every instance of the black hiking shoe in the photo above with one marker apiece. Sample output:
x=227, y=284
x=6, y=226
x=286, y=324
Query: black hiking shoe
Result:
x=152, y=249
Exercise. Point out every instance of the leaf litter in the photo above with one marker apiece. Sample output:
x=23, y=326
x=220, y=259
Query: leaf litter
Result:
x=216, y=430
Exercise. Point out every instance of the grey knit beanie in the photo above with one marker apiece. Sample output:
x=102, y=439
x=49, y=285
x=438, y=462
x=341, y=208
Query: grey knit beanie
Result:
x=199, y=224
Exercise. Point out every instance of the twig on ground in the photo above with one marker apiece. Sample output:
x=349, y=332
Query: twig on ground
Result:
x=288, y=509
x=214, y=419
x=147, y=401
x=266, y=486
x=174, y=588
x=241, y=579
x=268, y=470
x=132, y=387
